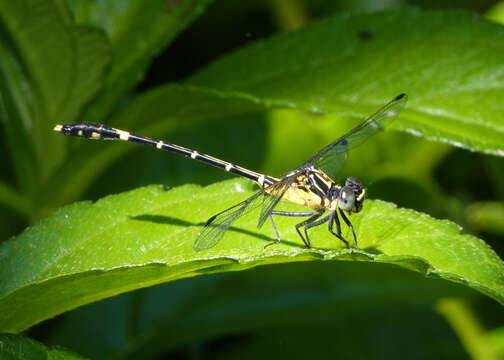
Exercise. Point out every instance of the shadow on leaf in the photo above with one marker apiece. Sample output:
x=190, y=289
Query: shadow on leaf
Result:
x=167, y=220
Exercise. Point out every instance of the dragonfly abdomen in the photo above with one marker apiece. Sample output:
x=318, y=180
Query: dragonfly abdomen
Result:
x=103, y=132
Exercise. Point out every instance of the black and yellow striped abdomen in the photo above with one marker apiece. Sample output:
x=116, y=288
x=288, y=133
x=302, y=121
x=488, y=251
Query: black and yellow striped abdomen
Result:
x=103, y=132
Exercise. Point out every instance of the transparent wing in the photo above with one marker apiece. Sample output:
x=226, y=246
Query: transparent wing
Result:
x=217, y=225
x=273, y=194
x=332, y=158
x=333, y=163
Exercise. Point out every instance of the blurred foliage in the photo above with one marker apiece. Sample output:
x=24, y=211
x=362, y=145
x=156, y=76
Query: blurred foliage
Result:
x=17, y=347
x=267, y=102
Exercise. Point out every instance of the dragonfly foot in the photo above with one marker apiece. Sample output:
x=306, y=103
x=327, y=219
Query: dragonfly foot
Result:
x=276, y=242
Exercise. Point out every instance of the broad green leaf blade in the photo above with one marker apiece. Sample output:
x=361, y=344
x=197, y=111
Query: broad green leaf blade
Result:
x=40, y=35
x=86, y=252
x=50, y=69
x=16, y=112
x=91, y=56
x=138, y=30
x=448, y=62
x=15, y=347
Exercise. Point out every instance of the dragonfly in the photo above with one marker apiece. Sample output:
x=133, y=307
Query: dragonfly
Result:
x=312, y=184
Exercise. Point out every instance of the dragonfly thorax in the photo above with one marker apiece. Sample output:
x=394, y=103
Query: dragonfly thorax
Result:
x=315, y=189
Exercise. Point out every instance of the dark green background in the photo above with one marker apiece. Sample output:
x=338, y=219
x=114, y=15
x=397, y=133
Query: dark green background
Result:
x=316, y=309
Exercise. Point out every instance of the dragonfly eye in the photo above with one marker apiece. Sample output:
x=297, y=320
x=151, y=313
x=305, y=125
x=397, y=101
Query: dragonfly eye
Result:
x=346, y=198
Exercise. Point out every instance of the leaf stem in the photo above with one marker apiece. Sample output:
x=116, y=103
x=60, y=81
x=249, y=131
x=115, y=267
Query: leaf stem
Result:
x=466, y=325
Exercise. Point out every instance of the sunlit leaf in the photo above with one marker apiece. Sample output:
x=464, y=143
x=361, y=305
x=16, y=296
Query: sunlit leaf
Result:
x=448, y=62
x=87, y=252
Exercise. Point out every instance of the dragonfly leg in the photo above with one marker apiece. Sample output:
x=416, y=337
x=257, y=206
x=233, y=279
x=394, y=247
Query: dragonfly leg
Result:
x=313, y=224
x=276, y=232
x=295, y=213
x=285, y=213
x=306, y=223
x=345, y=219
x=334, y=217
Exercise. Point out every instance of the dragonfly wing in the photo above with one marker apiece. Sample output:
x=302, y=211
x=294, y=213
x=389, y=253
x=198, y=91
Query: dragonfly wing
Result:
x=332, y=158
x=334, y=163
x=217, y=225
x=273, y=194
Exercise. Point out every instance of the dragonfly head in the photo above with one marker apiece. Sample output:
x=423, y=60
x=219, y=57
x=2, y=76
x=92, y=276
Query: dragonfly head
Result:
x=351, y=195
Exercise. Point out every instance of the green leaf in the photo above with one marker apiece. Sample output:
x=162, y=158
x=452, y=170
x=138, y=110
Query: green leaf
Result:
x=301, y=134
x=15, y=201
x=138, y=30
x=496, y=13
x=448, y=62
x=49, y=70
x=91, y=57
x=465, y=323
x=16, y=113
x=15, y=347
x=86, y=252
x=486, y=216
x=496, y=338
x=40, y=35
